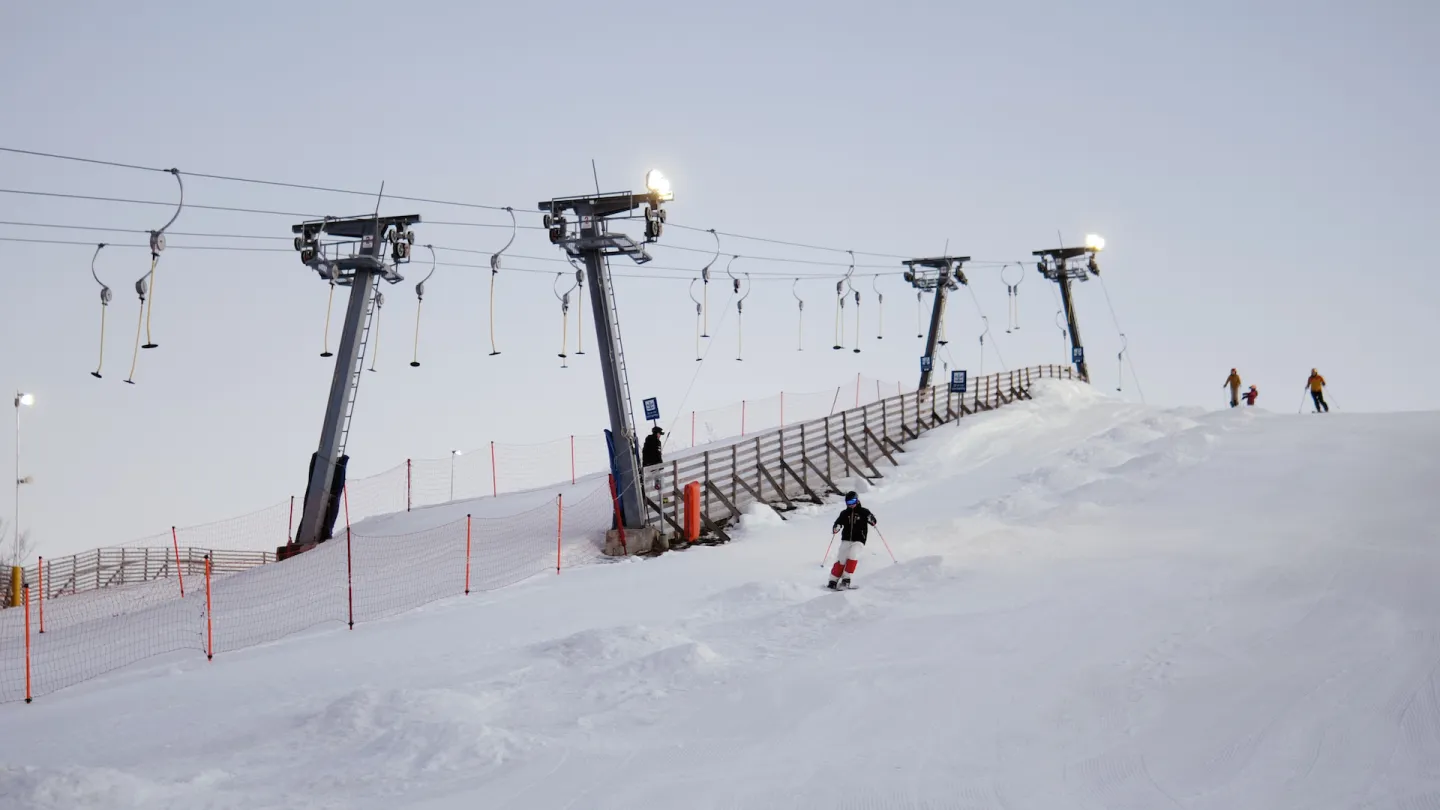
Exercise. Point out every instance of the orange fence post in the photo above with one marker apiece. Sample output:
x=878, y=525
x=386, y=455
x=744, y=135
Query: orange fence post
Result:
x=175, y=538
x=467, y=554
x=40, y=583
x=559, y=527
x=25, y=590
x=494, y=482
x=349, y=563
x=692, y=428
x=692, y=511
x=209, y=626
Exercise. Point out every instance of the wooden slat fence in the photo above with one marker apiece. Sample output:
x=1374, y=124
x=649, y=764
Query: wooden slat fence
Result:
x=805, y=461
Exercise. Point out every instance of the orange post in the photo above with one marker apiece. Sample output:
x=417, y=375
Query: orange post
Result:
x=25, y=590
x=40, y=583
x=175, y=538
x=692, y=511
x=467, y=554
x=209, y=627
x=559, y=528
x=349, y=566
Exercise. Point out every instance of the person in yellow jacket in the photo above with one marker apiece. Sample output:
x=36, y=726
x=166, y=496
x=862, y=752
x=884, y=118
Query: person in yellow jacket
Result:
x=1234, y=382
x=1316, y=384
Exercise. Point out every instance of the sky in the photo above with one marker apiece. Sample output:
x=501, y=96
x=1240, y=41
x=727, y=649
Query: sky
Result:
x=1262, y=174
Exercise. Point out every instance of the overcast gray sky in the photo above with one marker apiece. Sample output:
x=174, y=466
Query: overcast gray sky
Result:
x=1264, y=173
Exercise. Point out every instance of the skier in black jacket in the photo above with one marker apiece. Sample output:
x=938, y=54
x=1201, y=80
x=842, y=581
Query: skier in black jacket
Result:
x=853, y=526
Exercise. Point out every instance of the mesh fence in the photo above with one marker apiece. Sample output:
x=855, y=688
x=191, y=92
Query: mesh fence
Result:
x=495, y=468
x=351, y=579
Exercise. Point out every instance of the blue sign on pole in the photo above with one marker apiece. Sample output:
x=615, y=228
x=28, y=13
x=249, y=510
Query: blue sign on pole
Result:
x=652, y=409
x=1077, y=355
x=924, y=362
x=957, y=382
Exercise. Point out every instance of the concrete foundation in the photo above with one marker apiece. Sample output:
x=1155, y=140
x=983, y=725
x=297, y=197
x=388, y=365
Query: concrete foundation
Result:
x=637, y=541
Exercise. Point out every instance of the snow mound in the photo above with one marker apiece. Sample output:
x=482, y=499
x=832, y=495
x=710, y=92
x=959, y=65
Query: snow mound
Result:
x=1095, y=604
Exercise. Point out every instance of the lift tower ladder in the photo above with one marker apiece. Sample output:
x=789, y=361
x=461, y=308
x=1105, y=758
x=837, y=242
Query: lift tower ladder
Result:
x=355, y=257
x=939, y=274
x=1060, y=266
x=588, y=238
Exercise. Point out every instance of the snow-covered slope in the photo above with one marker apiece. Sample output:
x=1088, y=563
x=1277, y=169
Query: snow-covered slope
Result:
x=1096, y=605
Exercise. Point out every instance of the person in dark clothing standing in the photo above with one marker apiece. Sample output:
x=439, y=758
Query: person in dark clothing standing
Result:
x=650, y=453
x=853, y=526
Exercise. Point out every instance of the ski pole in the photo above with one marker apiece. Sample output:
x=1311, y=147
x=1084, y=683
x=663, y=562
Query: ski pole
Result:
x=887, y=544
x=827, y=550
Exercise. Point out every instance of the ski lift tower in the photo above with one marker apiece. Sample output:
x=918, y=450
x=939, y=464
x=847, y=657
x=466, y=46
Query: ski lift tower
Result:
x=940, y=275
x=355, y=257
x=1060, y=265
x=589, y=238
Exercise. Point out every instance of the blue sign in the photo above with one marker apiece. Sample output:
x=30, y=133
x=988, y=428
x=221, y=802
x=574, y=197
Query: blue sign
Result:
x=925, y=362
x=957, y=382
x=652, y=409
x=1077, y=355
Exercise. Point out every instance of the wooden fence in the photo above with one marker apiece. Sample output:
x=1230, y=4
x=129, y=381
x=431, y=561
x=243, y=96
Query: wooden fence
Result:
x=123, y=565
x=804, y=461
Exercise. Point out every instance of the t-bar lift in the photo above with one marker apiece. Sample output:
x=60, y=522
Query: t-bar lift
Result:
x=589, y=238
x=1060, y=265
x=939, y=274
x=356, y=257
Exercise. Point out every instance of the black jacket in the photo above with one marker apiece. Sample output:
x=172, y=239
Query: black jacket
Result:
x=854, y=524
x=650, y=453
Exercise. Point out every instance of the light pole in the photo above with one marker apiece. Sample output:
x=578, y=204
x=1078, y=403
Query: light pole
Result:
x=21, y=398
x=453, y=454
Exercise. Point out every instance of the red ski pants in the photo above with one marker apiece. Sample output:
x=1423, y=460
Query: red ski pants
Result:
x=846, y=562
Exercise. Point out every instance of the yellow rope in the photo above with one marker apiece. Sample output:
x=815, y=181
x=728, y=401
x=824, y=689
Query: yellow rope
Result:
x=493, y=351
x=139, y=324
x=150, y=303
x=101, y=365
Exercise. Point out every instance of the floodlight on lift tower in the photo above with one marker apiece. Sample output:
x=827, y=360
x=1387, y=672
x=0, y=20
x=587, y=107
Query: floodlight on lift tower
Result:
x=1062, y=265
x=588, y=237
x=362, y=252
x=940, y=275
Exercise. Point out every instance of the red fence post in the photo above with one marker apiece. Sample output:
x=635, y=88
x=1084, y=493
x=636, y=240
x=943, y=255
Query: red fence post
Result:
x=175, y=538
x=494, y=476
x=572, y=459
x=619, y=519
x=349, y=563
x=408, y=488
x=467, y=554
x=25, y=591
x=692, y=428
x=40, y=583
x=209, y=627
x=559, y=527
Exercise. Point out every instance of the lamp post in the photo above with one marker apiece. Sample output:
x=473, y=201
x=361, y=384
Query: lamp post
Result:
x=453, y=454
x=21, y=398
